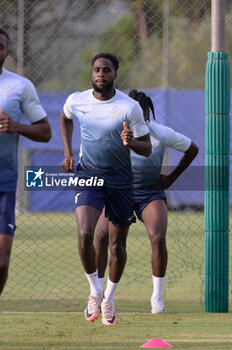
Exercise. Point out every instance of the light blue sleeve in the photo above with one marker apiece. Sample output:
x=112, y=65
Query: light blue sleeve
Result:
x=31, y=105
x=68, y=111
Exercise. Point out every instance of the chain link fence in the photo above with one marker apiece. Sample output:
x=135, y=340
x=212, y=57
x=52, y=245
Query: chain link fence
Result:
x=162, y=46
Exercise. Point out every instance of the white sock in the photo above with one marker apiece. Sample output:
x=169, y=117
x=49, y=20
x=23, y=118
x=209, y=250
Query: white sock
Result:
x=101, y=280
x=95, y=285
x=158, y=286
x=110, y=290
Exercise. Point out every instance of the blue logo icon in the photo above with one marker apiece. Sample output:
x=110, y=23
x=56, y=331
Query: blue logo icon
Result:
x=34, y=178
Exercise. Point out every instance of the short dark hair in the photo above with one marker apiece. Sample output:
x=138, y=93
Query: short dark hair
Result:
x=144, y=101
x=108, y=56
x=4, y=33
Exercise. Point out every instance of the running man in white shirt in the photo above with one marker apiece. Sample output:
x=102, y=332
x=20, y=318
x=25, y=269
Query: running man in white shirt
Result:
x=111, y=124
x=17, y=96
x=150, y=199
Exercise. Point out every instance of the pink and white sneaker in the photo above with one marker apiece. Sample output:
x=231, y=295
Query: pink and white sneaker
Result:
x=108, y=313
x=93, y=308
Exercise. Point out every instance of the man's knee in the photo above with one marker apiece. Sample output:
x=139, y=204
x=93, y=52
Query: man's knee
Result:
x=4, y=263
x=158, y=239
x=117, y=248
x=85, y=236
x=5, y=251
x=102, y=241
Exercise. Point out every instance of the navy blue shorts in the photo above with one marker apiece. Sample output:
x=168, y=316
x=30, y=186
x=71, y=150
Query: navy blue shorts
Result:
x=7, y=213
x=119, y=203
x=144, y=196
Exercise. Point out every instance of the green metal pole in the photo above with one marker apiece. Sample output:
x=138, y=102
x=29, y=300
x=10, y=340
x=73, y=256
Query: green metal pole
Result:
x=217, y=170
x=217, y=142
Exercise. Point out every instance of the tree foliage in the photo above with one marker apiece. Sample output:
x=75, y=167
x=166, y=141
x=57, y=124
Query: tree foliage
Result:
x=118, y=39
x=62, y=36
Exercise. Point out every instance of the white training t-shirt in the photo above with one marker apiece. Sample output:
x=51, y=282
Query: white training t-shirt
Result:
x=101, y=123
x=147, y=169
x=18, y=96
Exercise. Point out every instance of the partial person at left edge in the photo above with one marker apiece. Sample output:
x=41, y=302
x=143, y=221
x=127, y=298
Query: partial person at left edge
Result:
x=18, y=96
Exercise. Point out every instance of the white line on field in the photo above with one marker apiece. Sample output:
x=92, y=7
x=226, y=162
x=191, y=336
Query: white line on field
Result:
x=65, y=313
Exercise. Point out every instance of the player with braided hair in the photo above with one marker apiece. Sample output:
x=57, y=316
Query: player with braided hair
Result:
x=150, y=198
x=145, y=103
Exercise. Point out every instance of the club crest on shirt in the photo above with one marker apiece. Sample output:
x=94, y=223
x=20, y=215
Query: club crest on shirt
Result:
x=5, y=91
x=115, y=115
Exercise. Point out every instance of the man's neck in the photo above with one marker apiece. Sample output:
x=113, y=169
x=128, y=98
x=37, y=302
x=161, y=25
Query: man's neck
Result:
x=104, y=96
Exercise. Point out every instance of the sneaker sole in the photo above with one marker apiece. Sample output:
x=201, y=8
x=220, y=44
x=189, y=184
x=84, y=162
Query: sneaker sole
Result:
x=159, y=312
x=92, y=317
x=106, y=323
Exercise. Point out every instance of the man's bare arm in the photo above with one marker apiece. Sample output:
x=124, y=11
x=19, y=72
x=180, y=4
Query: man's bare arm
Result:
x=39, y=131
x=66, y=131
x=140, y=145
x=167, y=180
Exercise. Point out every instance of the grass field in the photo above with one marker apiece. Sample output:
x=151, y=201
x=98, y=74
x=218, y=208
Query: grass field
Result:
x=184, y=330
x=42, y=305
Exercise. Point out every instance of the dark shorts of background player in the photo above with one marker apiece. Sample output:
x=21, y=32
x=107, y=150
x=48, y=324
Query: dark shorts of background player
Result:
x=144, y=196
x=119, y=203
x=7, y=213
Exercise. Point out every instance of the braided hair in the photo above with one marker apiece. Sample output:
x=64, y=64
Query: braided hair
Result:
x=145, y=103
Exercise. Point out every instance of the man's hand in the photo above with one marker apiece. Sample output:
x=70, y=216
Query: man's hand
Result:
x=140, y=145
x=126, y=135
x=7, y=124
x=166, y=181
x=68, y=165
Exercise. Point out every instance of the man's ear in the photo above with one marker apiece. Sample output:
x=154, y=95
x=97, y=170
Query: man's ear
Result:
x=115, y=75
